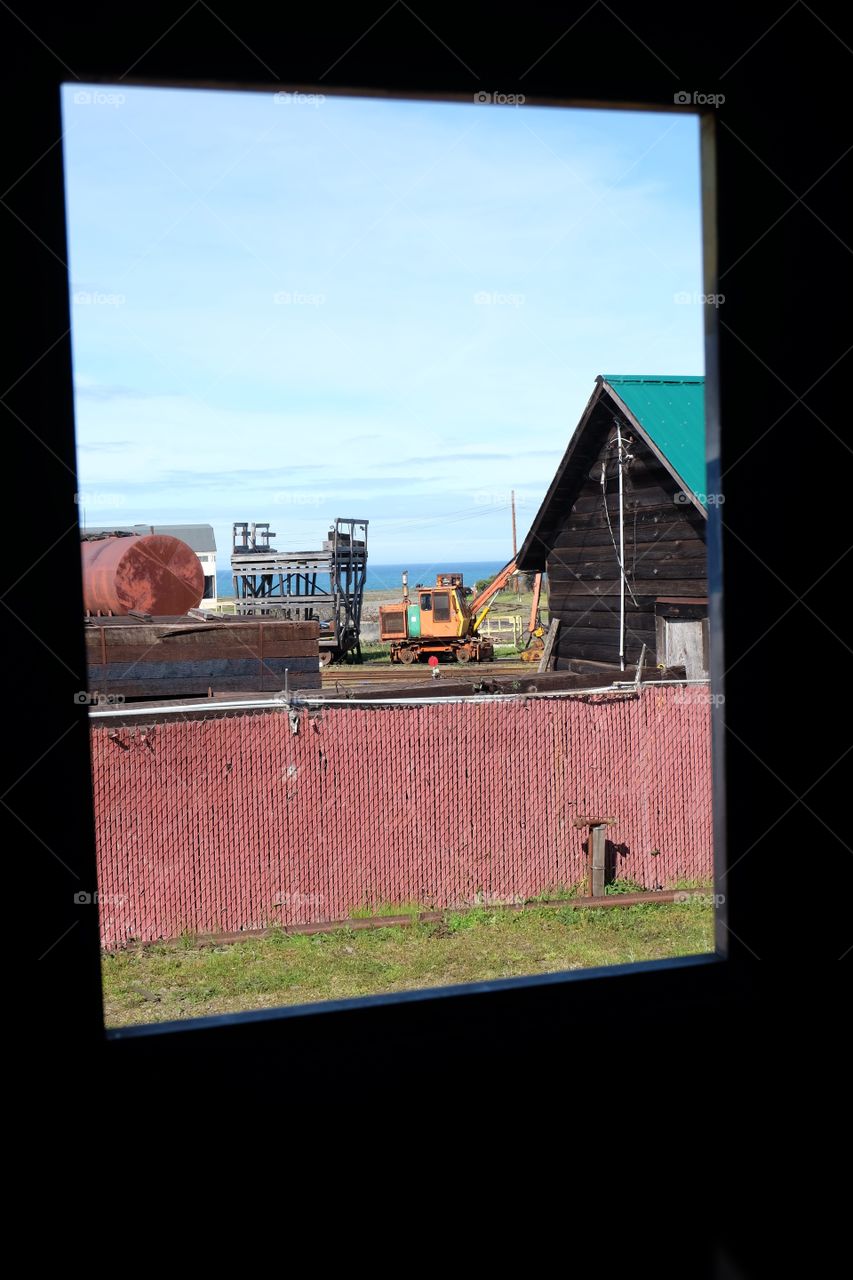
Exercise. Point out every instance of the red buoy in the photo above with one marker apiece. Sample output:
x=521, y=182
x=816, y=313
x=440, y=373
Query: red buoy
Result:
x=150, y=573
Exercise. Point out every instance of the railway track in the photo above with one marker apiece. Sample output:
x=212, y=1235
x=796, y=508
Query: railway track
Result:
x=344, y=676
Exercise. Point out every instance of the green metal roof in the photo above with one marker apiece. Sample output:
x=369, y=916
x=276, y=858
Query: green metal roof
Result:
x=671, y=411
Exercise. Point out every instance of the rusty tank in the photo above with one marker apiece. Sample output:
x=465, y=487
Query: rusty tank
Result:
x=140, y=573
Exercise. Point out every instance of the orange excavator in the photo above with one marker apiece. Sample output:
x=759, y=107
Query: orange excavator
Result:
x=441, y=619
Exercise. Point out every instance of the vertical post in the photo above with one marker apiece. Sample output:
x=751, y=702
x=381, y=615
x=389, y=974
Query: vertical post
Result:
x=514, y=546
x=547, y=659
x=596, y=860
x=621, y=553
x=596, y=846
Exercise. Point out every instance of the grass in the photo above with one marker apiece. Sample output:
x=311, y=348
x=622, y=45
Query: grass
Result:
x=369, y=910
x=178, y=980
x=375, y=651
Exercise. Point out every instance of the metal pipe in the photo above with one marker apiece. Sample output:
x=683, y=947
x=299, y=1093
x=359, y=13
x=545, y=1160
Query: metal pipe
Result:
x=621, y=554
x=316, y=704
x=663, y=897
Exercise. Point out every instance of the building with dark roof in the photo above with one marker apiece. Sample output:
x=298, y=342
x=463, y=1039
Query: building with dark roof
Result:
x=621, y=532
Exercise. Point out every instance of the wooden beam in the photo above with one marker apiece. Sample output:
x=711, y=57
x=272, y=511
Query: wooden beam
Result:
x=547, y=659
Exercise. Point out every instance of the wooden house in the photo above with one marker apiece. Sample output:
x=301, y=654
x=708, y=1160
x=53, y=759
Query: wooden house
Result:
x=621, y=532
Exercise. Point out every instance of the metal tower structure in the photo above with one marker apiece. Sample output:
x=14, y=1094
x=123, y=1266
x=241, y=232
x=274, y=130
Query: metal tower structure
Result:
x=326, y=585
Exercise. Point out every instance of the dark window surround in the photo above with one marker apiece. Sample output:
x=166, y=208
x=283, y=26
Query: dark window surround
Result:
x=667, y=1004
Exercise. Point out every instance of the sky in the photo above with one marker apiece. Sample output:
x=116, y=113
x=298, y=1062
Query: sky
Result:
x=289, y=307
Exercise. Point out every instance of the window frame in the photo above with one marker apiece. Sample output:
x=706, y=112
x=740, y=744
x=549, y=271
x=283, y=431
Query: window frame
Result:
x=445, y=595
x=704, y=983
x=676, y=969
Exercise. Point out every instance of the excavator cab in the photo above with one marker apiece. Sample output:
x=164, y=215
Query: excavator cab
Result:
x=438, y=612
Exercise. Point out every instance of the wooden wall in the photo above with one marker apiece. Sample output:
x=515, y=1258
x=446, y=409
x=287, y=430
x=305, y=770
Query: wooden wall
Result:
x=665, y=552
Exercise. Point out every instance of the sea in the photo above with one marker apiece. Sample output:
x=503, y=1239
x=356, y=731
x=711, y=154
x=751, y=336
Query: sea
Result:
x=388, y=577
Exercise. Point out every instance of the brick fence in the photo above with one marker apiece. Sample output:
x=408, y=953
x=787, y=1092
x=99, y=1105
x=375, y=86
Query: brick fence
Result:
x=237, y=822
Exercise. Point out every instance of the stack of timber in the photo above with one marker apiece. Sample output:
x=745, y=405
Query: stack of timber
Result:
x=184, y=656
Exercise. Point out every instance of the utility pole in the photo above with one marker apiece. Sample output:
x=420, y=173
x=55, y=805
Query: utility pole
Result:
x=514, y=546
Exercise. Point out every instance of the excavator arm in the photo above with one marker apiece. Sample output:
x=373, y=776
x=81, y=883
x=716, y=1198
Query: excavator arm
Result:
x=534, y=622
x=482, y=602
x=535, y=630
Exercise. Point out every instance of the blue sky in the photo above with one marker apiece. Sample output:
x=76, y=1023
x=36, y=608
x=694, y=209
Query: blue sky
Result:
x=289, y=308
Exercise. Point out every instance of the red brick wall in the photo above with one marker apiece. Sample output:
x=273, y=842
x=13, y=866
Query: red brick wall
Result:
x=235, y=823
